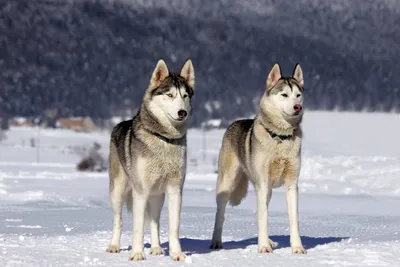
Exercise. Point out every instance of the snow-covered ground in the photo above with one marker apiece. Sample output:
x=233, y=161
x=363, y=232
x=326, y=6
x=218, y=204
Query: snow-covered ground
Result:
x=52, y=215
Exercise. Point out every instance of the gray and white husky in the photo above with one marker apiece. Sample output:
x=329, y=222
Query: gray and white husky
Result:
x=265, y=150
x=148, y=158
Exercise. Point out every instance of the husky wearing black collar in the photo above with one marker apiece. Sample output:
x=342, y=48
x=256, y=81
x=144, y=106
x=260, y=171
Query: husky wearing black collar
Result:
x=148, y=158
x=265, y=150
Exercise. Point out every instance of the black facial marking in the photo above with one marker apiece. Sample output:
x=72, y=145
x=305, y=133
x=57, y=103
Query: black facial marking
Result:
x=290, y=81
x=173, y=80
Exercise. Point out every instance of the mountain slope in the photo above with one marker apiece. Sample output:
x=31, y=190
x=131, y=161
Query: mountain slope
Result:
x=95, y=57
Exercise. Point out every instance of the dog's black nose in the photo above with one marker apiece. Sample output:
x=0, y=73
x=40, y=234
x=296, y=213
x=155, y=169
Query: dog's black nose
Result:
x=182, y=114
x=298, y=107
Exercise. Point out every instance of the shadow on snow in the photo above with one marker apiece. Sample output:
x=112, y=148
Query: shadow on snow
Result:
x=201, y=246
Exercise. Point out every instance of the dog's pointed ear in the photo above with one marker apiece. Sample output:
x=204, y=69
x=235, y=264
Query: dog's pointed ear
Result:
x=273, y=76
x=298, y=74
x=159, y=74
x=187, y=72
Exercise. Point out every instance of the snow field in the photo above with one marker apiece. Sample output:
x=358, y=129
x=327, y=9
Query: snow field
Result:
x=52, y=215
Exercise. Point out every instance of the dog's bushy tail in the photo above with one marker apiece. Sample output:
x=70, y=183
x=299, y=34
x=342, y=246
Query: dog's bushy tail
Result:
x=240, y=190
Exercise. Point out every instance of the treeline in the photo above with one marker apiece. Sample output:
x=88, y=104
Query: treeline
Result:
x=95, y=57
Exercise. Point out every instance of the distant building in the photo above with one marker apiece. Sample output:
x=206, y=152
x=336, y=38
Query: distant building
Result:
x=21, y=122
x=77, y=124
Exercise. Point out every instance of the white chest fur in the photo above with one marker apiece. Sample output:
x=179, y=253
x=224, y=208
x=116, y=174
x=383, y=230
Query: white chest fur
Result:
x=164, y=164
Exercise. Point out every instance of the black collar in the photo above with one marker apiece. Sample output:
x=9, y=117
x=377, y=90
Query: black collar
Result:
x=282, y=137
x=163, y=138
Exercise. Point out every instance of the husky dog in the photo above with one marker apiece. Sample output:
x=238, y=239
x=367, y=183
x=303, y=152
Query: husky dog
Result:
x=265, y=150
x=148, y=158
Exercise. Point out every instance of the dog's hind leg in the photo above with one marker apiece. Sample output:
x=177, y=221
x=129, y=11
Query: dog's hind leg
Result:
x=117, y=198
x=225, y=186
x=154, y=206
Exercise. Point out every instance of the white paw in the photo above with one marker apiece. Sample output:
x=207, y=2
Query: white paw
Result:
x=265, y=249
x=156, y=251
x=113, y=249
x=178, y=256
x=216, y=245
x=272, y=243
x=299, y=250
x=137, y=256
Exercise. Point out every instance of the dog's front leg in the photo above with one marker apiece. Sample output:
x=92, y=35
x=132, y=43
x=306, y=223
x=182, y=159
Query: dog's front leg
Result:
x=139, y=206
x=174, y=213
x=292, y=196
x=264, y=244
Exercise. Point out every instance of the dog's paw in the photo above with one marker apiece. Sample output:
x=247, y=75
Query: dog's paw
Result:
x=156, y=251
x=299, y=250
x=216, y=245
x=178, y=256
x=265, y=249
x=137, y=256
x=113, y=249
x=272, y=244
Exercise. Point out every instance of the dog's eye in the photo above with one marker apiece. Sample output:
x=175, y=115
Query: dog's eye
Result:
x=284, y=95
x=298, y=95
x=184, y=96
x=169, y=95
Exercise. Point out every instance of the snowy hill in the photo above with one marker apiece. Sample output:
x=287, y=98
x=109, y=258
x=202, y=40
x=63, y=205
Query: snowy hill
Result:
x=51, y=215
x=95, y=57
